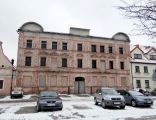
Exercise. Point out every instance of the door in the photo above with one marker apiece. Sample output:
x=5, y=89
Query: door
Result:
x=79, y=85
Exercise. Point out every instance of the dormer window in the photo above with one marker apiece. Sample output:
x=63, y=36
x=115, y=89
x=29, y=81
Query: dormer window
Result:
x=152, y=57
x=137, y=56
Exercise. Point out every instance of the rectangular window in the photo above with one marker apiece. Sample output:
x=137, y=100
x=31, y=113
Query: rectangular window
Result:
x=64, y=62
x=102, y=49
x=1, y=84
x=93, y=48
x=110, y=49
x=121, y=50
x=138, y=84
x=27, y=61
x=93, y=63
x=145, y=69
x=79, y=63
x=137, y=56
x=64, y=46
x=29, y=44
x=79, y=47
x=54, y=45
x=43, y=61
x=147, y=84
x=137, y=69
x=43, y=44
x=122, y=65
x=152, y=57
x=111, y=66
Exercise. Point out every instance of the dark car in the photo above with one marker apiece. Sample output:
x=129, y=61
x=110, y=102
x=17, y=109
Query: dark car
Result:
x=136, y=98
x=17, y=92
x=48, y=100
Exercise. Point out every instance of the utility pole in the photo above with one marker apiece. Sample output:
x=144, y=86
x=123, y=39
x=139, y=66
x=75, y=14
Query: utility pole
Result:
x=12, y=75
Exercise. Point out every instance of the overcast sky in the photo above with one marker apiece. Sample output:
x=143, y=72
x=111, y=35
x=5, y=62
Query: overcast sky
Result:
x=100, y=16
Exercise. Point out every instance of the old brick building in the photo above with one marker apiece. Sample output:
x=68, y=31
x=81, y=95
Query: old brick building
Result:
x=73, y=62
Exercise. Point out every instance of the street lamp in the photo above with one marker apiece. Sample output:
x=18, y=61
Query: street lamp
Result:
x=12, y=63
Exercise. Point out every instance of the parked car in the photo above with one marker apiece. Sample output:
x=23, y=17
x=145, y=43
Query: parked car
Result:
x=49, y=100
x=109, y=97
x=17, y=92
x=136, y=98
x=153, y=92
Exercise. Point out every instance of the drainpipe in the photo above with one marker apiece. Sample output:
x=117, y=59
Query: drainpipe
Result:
x=132, y=75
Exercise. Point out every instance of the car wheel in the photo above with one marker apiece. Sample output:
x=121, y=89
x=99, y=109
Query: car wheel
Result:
x=38, y=108
x=11, y=96
x=60, y=108
x=122, y=107
x=96, y=103
x=133, y=103
x=103, y=104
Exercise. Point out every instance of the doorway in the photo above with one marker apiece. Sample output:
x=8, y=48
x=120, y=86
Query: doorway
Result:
x=79, y=85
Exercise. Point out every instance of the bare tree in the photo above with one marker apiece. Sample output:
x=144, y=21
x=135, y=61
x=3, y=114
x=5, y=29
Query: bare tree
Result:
x=144, y=12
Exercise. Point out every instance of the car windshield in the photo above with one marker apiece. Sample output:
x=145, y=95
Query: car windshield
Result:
x=48, y=94
x=136, y=93
x=109, y=92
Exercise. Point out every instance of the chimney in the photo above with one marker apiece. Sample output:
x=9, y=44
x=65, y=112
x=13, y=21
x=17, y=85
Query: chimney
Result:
x=79, y=31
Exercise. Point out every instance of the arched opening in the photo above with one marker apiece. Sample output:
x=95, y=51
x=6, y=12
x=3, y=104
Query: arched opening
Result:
x=79, y=85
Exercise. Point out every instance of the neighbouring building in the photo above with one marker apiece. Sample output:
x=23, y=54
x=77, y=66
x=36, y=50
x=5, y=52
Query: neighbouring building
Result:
x=143, y=67
x=73, y=62
x=6, y=69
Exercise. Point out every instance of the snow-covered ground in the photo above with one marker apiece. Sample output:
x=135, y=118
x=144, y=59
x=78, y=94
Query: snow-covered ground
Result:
x=75, y=108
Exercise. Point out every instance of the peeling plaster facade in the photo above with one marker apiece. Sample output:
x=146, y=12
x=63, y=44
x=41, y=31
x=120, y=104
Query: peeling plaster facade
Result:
x=95, y=71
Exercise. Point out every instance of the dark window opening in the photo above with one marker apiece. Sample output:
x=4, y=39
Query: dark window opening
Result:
x=102, y=49
x=137, y=56
x=79, y=47
x=147, y=84
x=93, y=48
x=137, y=69
x=122, y=65
x=111, y=65
x=138, y=84
x=43, y=61
x=93, y=63
x=64, y=46
x=121, y=50
x=64, y=62
x=79, y=63
x=145, y=69
x=29, y=44
x=54, y=45
x=43, y=44
x=28, y=61
x=110, y=49
x=1, y=84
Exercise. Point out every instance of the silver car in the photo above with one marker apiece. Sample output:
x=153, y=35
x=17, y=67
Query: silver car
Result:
x=49, y=100
x=109, y=97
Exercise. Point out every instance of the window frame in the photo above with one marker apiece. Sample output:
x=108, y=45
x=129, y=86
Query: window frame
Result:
x=110, y=49
x=79, y=47
x=138, y=85
x=121, y=51
x=79, y=63
x=29, y=44
x=102, y=49
x=94, y=64
x=43, y=61
x=28, y=63
x=43, y=44
x=93, y=48
x=122, y=65
x=2, y=86
x=64, y=62
x=137, y=69
x=64, y=46
x=111, y=64
x=54, y=45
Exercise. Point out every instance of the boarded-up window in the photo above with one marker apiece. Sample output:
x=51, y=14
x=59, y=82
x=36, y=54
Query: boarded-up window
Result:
x=112, y=82
x=27, y=81
x=102, y=66
x=104, y=81
x=54, y=63
x=42, y=81
x=64, y=81
x=123, y=81
x=94, y=81
x=52, y=81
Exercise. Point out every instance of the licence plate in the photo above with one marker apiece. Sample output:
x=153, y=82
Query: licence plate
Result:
x=148, y=101
x=50, y=104
x=116, y=103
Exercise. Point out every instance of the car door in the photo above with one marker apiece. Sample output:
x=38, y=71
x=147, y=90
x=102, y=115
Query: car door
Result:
x=128, y=98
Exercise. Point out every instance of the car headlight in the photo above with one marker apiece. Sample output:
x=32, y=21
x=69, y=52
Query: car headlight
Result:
x=42, y=102
x=59, y=101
